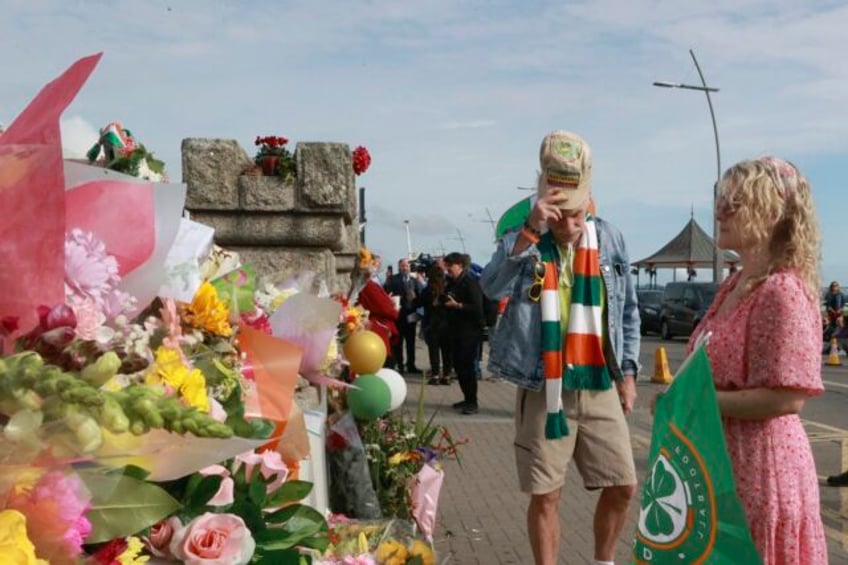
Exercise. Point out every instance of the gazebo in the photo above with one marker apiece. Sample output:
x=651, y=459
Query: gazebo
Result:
x=691, y=249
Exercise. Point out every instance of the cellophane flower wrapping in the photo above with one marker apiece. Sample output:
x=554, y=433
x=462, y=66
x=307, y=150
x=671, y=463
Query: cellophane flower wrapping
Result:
x=376, y=542
x=424, y=490
x=351, y=488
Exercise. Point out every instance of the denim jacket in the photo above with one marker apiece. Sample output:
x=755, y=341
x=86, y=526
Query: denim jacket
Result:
x=516, y=343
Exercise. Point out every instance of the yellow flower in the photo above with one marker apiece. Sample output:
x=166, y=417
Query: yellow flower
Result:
x=207, y=312
x=193, y=391
x=422, y=550
x=168, y=370
x=362, y=540
x=391, y=552
x=131, y=556
x=15, y=546
x=399, y=458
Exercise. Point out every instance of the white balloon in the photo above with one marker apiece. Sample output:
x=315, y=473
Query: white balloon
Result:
x=397, y=386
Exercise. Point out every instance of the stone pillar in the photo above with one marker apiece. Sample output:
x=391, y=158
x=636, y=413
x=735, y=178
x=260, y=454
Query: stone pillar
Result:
x=281, y=228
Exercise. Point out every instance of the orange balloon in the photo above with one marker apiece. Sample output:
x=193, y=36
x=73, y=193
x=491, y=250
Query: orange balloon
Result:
x=365, y=351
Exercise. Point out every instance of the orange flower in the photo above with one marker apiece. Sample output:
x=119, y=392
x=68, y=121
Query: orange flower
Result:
x=207, y=312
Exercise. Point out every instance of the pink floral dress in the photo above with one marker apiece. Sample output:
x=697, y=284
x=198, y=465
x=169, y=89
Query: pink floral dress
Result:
x=772, y=339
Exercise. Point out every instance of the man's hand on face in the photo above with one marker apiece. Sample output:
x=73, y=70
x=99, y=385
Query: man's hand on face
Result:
x=627, y=392
x=547, y=208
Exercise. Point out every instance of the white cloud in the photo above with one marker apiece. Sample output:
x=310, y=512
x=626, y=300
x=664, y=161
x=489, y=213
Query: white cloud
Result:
x=452, y=98
x=78, y=136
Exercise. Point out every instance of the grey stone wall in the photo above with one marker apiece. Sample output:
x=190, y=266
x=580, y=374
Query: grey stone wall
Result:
x=280, y=228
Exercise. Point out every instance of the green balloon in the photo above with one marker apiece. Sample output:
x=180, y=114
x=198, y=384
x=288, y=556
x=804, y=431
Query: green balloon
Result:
x=371, y=399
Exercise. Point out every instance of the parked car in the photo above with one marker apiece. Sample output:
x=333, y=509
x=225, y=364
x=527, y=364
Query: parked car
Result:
x=650, y=302
x=683, y=306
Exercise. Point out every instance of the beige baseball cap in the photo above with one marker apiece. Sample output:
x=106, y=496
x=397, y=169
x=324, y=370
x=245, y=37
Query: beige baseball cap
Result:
x=566, y=162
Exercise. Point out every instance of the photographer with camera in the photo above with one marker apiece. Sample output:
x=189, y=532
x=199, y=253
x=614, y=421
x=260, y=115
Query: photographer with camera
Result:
x=408, y=287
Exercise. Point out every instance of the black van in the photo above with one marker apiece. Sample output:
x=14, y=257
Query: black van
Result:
x=683, y=306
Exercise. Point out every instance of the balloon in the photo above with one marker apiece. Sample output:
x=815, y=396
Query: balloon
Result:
x=371, y=398
x=397, y=386
x=365, y=351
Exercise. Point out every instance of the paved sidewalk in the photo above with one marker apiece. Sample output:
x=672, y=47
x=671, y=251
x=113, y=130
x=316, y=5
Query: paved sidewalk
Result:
x=481, y=511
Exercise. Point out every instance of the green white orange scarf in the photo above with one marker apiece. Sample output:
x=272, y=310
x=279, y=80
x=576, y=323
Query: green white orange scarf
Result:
x=581, y=354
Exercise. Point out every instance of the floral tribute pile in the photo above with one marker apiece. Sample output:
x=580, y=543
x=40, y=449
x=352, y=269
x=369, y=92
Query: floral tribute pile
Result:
x=147, y=379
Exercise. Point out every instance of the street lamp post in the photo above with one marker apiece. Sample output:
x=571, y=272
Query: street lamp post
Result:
x=717, y=263
x=408, y=240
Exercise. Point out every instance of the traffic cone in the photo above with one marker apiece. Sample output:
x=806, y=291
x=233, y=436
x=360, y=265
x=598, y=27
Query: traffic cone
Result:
x=833, y=356
x=661, y=373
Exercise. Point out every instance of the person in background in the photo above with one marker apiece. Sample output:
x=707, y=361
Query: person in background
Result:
x=376, y=263
x=835, y=303
x=464, y=306
x=569, y=339
x=436, y=329
x=382, y=314
x=408, y=287
x=764, y=372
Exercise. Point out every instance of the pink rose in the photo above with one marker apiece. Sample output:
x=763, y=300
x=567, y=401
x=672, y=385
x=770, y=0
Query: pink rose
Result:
x=224, y=496
x=270, y=464
x=160, y=537
x=214, y=539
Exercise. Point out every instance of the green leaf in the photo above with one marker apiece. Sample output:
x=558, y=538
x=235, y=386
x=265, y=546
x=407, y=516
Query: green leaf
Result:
x=319, y=542
x=289, y=491
x=251, y=514
x=123, y=506
x=281, y=557
x=297, y=517
x=132, y=471
x=203, y=493
x=261, y=428
x=240, y=479
x=256, y=491
x=304, y=524
x=190, y=485
x=306, y=519
x=283, y=514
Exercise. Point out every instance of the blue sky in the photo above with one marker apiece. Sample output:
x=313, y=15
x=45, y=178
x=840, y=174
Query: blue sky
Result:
x=453, y=97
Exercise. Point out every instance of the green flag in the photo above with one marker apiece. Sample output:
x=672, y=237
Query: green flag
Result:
x=690, y=512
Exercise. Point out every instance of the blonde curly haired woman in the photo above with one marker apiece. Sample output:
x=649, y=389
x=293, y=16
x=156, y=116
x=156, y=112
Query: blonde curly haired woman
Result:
x=765, y=354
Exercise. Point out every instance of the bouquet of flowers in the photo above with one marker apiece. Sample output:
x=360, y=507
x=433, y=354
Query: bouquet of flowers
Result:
x=129, y=417
x=375, y=542
x=361, y=160
x=122, y=153
x=94, y=397
x=401, y=453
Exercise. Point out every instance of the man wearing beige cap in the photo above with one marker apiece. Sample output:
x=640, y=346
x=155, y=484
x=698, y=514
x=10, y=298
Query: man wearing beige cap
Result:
x=569, y=338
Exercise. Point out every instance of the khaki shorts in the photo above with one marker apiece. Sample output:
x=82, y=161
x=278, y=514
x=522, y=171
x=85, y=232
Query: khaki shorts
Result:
x=598, y=440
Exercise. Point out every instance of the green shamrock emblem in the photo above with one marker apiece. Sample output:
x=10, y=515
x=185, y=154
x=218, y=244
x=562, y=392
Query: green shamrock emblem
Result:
x=655, y=503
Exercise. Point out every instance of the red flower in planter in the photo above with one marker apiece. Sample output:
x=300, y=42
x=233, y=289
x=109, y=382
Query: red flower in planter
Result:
x=361, y=160
x=274, y=157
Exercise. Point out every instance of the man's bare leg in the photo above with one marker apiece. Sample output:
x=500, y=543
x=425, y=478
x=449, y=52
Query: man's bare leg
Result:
x=610, y=515
x=543, y=527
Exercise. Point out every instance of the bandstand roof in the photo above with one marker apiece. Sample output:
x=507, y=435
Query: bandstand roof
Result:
x=692, y=247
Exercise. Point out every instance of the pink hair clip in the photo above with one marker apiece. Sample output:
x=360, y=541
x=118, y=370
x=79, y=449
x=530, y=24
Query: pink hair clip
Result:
x=783, y=173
